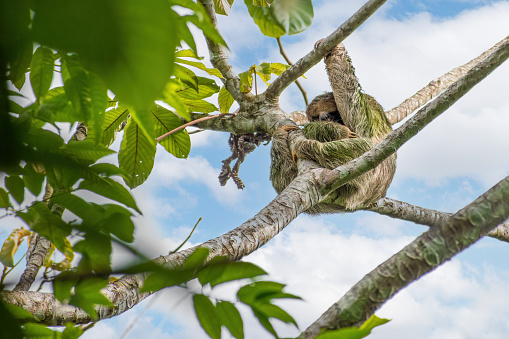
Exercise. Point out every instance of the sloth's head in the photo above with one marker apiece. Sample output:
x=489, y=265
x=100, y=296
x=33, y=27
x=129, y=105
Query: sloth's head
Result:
x=323, y=108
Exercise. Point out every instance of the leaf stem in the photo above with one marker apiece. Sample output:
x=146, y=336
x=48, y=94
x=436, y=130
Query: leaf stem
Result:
x=192, y=123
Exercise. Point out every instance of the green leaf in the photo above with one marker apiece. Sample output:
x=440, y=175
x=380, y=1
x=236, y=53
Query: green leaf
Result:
x=228, y=271
x=373, y=322
x=344, y=333
x=197, y=258
x=277, y=68
x=225, y=100
x=56, y=106
x=274, y=311
x=185, y=33
x=63, y=284
x=206, y=313
x=178, y=143
x=18, y=313
x=114, y=191
x=16, y=187
x=246, y=81
x=71, y=331
x=206, y=88
x=33, y=180
x=186, y=53
x=76, y=85
x=65, y=264
x=144, y=121
x=43, y=221
x=4, y=199
x=9, y=326
x=199, y=65
x=112, y=121
x=264, y=321
x=262, y=291
x=223, y=7
x=88, y=294
x=19, y=66
x=200, y=106
x=77, y=205
x=294, y=16
x=162, y=278
x=263, y=18
x=99, y=101
x=136, y=155
x=108, y=170
x=85, y=150
x=112, y=219
x=10, y=246
x=96, y=252
x=171, y=98
x=119, y=224
x=284, y=16
x=31, y=330
x=186, y=76
x=126, y=42
x=230, y=317
x=41, y=71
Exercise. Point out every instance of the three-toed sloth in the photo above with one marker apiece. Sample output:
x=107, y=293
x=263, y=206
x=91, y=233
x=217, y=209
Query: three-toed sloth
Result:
x=343, y=125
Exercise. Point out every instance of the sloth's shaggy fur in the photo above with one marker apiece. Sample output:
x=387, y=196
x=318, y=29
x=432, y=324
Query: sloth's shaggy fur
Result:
x=344, y=124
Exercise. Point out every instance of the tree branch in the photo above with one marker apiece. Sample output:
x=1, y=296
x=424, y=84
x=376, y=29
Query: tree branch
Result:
x=124, y=293
x=436, y=86
x=314, y=57
x=424, y=216
x=425, y=253
x=219, y=59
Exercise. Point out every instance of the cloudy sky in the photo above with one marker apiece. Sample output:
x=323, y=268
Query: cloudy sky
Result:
x=454, y=160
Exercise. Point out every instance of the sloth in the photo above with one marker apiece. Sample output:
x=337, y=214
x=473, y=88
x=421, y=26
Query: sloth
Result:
x=344, y=124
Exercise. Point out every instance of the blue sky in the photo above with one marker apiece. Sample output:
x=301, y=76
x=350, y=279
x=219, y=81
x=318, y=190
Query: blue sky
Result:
x=454, y=160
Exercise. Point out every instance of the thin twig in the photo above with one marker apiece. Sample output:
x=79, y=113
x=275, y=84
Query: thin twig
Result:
x=188, y=237
x=192, y=123
x=282, y=51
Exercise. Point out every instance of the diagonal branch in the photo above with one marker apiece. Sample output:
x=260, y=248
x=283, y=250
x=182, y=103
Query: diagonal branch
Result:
x=436, y=86
x=314, y=57
x=422, y=255
x=424, y=216
x=219, y=59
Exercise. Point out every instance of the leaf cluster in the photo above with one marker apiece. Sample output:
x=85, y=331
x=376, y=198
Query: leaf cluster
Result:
x=215, y=313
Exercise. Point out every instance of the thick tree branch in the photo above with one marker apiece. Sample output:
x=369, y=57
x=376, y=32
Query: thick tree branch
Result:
x=436, y=86
x=424, y=216
x=125, y=292
x=219, y=59
x=314, y=57
x=425, y=253
x=265, y=120
x=424, y=116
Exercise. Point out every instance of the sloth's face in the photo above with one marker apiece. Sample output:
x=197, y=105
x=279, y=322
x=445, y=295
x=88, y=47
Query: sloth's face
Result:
x=331, y=116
